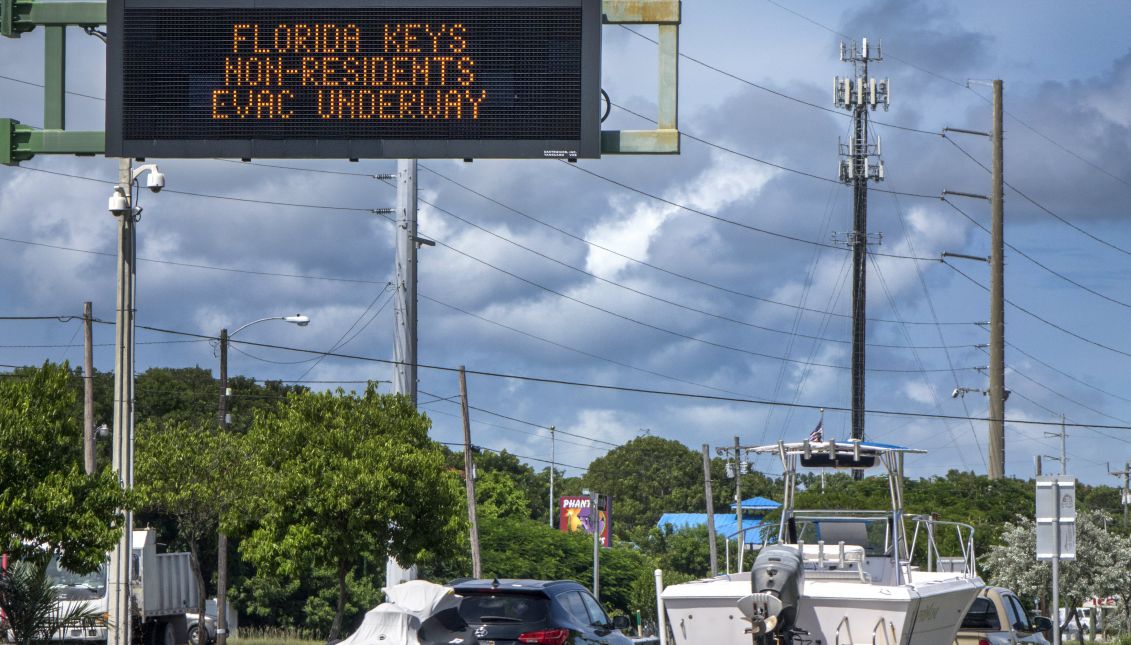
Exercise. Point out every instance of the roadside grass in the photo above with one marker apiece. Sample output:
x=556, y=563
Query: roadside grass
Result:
x=278, y=636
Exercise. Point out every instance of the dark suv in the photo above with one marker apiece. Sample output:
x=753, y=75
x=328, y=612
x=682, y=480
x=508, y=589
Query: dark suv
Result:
x=554, y=612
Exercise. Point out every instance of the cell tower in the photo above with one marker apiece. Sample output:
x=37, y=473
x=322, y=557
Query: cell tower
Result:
x=858, y=94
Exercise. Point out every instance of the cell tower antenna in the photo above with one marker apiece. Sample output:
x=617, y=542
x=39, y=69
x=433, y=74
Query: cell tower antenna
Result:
x=860, y=164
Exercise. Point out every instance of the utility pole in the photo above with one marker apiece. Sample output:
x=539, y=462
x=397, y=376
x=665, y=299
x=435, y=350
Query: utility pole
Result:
x=997, y=392
x=741, y=542
x=404, y=347
x=225, y=420
x=859, y=94
x=553, y=459
x=88, y=388
x=1063, y=434
x=404, y=336
x=997, y=298
x=469, y=477
x=710, y=498
x=1125, y=497
x=118, y=575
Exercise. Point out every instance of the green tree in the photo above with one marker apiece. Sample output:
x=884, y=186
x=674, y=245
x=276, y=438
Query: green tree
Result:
x=45, y=496
x=191, y=472
x=498, y=496
x=1102, y=566
x=348, y=478
x=646, y=477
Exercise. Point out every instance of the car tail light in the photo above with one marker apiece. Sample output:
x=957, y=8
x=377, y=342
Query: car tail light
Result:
x=982, y=641
x=545, y=637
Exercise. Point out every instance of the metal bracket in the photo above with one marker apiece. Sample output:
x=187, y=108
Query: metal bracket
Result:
x=21, y=16
x=665, y=138
x=20, y=142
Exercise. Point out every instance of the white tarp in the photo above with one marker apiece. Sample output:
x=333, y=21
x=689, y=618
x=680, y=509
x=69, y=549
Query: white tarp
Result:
x=396, y=621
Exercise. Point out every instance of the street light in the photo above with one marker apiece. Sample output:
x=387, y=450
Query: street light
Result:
x=225, y=421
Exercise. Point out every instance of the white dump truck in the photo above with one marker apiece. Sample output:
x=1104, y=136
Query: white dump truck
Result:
x=163, y=592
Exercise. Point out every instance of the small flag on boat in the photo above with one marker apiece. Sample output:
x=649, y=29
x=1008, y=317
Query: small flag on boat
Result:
x=818, y=431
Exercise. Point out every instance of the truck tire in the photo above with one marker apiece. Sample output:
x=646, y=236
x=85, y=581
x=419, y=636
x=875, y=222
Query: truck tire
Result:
x=168, y=635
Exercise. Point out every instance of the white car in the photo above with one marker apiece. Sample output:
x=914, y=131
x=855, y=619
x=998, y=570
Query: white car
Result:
x=193, y=627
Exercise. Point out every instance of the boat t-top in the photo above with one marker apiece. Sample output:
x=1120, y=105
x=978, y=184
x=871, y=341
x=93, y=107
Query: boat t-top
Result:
x=836, y=577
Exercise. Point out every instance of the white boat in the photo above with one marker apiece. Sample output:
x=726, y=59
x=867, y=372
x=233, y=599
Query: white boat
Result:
x=836, y=577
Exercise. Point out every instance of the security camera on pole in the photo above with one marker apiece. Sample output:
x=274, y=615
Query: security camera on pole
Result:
x=123, y=206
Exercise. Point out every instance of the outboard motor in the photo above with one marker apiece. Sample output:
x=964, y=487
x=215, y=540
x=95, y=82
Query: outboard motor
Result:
x=776, y=583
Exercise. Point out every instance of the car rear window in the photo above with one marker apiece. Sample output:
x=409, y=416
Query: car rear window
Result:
x=982, y=615
x=481, y=608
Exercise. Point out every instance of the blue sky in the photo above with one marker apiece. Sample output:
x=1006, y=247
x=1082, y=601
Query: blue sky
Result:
x=1067, y=74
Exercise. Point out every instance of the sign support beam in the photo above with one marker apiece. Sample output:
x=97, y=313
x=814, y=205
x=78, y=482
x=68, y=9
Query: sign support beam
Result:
x=664, y=140
x=20, y=142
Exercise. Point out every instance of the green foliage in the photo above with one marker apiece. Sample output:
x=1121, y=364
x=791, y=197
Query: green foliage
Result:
x=686, y=552
x=647, y=477
x=32, y=607
x=319, y=609
x=1102, y=567
x=498, y=496
x=346, y=478
x=45, y=496
x=192, y=472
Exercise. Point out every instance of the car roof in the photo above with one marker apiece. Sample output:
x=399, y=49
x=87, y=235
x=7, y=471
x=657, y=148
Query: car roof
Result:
x=514, y=585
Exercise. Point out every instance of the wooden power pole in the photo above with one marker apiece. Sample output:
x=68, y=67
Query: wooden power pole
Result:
x=88, y=388
x=710, y=509
x=997, y=299
x=469, y=477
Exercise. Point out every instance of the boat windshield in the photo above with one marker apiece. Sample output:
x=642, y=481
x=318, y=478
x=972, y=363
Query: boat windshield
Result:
x=61, y=577
x=870, y=533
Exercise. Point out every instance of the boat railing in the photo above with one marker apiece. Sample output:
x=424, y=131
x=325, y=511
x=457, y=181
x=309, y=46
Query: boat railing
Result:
x=965, y=563
x=843, y=624
x=881, y=627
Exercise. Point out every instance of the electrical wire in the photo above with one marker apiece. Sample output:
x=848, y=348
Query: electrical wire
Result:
x=1039, y=318
x=648, y=325
x=634, y=290
x=621, y=388
x=777, y=93
x=1040, y=206
x=652, y=266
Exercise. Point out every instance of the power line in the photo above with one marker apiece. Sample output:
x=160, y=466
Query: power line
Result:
x=513, y=454
x=1040, y=134
x=1065, y=374
x=650, y=325
x=1035, y=316
x=770, y=90
x=1039, y=205
x=772, y=164
x=622, y=388
x=784, y=236
x=652, y=266
x=576, y=350
x=640, y=292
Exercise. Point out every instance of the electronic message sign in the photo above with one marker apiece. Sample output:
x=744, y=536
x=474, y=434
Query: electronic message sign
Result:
x=353, y=79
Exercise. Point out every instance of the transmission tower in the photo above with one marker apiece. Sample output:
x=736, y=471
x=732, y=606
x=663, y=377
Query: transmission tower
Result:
x=859, y=94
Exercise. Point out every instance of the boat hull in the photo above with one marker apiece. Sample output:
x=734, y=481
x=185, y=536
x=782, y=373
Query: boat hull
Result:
x=926, y=612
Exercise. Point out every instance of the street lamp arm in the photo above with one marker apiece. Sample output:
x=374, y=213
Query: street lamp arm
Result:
x=297, y=319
